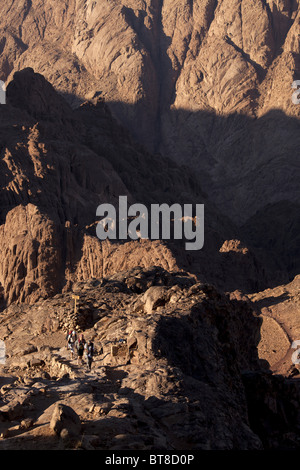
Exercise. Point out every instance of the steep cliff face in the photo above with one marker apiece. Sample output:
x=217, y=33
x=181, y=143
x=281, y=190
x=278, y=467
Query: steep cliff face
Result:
x=162, y=101
x=58, y=165
x=31, y=264
x=52, y=182
x=207, y=83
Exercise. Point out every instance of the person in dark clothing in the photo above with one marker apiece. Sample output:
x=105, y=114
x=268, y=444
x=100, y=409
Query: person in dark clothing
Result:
x=90, y=353
x=80, y=344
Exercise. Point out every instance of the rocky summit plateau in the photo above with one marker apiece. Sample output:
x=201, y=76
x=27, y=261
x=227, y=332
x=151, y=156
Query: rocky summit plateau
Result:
x=164, y=102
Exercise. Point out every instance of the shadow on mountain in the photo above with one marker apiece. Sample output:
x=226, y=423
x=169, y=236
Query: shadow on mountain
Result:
x=227, y=362
x=271, y=234
x=273, y=414
x=267, y=302
x=67, y=162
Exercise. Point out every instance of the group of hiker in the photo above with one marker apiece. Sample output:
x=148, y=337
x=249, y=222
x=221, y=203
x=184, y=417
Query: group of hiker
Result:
x=82, y=348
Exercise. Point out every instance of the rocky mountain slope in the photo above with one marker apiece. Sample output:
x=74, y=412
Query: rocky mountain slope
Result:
x=163, y=102
x=188, y=79
x=58, y=165
x=176, y=368
x=207, y=83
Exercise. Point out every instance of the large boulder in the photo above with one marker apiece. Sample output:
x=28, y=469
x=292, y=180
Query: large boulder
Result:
x=154, y=297
x=65, y=418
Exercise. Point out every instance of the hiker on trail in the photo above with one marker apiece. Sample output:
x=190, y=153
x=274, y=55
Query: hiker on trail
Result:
x=80, y=343
x=89, y=349
x=71, y=340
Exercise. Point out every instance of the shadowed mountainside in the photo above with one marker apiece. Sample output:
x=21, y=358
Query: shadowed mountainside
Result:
x=178, y=366
x=59, y=164
x=164, y=101
x=189, y=79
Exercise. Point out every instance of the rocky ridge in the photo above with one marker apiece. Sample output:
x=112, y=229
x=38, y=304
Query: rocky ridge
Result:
x=150, y=386
x=58, y=165
x=191, y=81
x=178, y=366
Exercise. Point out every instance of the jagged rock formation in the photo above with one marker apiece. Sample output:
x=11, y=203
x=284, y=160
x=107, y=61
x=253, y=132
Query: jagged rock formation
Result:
x=58, y=165
x=188, y=79
x=52, y=183
x=279, y=309
x=176, y=368
x=30, y=260
x=181, y=376
x=205, y=88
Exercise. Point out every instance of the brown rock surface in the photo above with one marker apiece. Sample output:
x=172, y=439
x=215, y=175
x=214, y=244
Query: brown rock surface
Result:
x=189, y=79
x=58, y=165
x=179, y=378
x=280, y=308
x=176, y=73
x=65, y=419
x=31, y=261
x=184, y=375
x=205, y=88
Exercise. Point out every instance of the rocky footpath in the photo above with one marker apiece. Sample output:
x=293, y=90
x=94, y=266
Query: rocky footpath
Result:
x=176, y=367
